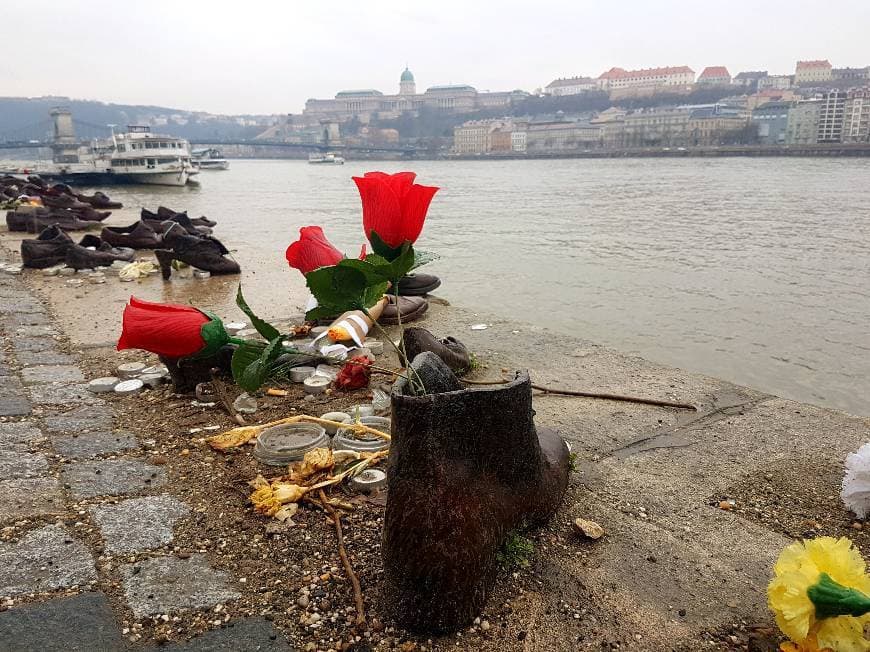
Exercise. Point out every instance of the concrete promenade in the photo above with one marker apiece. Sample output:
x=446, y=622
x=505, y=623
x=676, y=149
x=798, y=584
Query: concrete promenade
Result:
x=86, y=520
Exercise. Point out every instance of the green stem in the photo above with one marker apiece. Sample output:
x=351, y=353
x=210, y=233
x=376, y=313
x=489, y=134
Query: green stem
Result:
x=833, y=599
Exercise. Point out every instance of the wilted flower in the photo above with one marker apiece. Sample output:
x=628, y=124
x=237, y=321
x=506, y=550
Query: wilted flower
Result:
x=355, y=373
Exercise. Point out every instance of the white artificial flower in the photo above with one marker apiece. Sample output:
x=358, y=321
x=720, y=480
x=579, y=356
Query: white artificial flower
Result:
x=856, y=483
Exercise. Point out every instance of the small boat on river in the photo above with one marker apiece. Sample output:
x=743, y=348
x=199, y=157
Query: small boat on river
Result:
x=326, y=158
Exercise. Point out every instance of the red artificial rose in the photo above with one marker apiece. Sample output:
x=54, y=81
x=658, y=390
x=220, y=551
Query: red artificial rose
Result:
x=167, y=329
x=354, y=374
x=393, y=206
x=312, y=250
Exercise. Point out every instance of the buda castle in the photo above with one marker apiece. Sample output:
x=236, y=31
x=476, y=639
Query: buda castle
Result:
x=368, y=103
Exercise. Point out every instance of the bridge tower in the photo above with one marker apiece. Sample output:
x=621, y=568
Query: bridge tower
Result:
x=331, y=132
x=65, y=147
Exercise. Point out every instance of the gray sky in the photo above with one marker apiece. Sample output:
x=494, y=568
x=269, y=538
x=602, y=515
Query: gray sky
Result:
x=268, y=57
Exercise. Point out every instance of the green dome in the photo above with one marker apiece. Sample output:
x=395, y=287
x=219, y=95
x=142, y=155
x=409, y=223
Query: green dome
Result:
x=407, y=76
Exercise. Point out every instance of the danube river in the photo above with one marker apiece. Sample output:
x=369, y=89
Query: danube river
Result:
x=752, y=270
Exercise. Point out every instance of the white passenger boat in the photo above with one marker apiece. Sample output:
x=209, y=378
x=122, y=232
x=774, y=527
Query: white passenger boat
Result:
x=140, y=156
x=209, y=159
x=326, y=158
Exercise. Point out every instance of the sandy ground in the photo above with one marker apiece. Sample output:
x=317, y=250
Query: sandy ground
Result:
x=674, y=571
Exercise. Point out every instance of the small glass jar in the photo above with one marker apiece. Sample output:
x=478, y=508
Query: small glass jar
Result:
x=348, y=440
x=280, y=445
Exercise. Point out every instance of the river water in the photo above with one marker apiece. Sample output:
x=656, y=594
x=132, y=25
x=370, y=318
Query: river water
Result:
x=751, y=270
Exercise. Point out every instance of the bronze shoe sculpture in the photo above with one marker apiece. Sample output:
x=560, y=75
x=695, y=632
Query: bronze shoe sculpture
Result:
x=92, y=252
x=135, y=236
x=466, y=468
x=36, y=223
x=450, y=350
x=47, y=249
x=202, y=252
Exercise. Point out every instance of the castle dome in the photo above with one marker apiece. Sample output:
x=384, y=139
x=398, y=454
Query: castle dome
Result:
x=407, y=76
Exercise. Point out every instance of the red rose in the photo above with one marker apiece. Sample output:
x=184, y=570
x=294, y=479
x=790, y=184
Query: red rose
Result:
x=393, y=206
x=354, y=374
x=312, y=250
x=171, y=330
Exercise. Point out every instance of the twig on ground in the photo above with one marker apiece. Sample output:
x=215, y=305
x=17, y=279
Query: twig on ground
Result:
x=599, y=395
x=221, y=393
x=342, y=552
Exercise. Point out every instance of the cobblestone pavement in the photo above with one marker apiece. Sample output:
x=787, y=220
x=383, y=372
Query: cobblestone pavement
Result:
x=65, y=470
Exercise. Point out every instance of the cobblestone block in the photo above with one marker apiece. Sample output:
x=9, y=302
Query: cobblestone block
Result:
x=82, y=623
x=168, y=585
x=111, y=477
x=15, y=464
x=51, y=374
x=84, y=419
x=30, y=497
x=19, y=436
x=139, y=524
x=44, y=560
x=90, y=444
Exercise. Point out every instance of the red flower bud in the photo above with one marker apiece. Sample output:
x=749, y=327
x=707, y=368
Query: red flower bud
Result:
x=171, y=330
x=393, y=206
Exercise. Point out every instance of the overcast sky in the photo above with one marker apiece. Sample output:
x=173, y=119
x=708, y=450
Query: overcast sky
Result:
x=268, y=57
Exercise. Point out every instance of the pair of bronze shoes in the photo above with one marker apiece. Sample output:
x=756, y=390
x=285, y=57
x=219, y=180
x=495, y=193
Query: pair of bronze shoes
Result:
x=53, y=246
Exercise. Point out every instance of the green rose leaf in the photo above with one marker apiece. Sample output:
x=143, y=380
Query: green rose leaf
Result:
x=245, y=355
x=349, y=285
x=213, y=334
x=264, y=328
x=255, y=374
x=403, y=263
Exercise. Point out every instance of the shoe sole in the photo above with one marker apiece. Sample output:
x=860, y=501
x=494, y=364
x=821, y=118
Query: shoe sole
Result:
x=419, y=292
x=406, y=319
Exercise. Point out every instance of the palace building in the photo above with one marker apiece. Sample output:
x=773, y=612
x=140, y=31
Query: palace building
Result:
x=364, y=104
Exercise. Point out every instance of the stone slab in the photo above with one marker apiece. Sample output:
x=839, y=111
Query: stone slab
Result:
x=63, y=394
x=83, y=419
x=48, y=357
x=15, y=464
x=19, y=436
x=111, y=477
x=20, y=305
x=249, y=634
x=29, y=497
x=44, y=560
x=14, y=320
x=90, y=444
x=84, y=623
x=42, y=330
x=13, y=398
x=139, y=524
x=168, y=585
x=31, y=343
x=51, y=374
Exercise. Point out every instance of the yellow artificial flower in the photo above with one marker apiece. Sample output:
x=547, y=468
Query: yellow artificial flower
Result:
x=821, y=590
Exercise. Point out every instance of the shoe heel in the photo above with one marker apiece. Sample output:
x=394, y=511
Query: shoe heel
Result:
x=165, y=258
